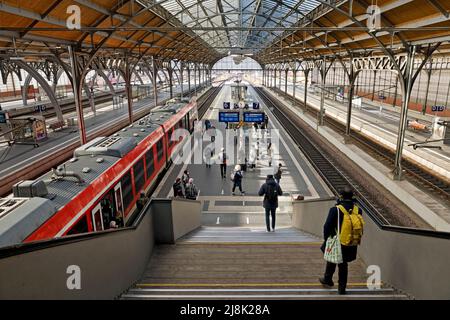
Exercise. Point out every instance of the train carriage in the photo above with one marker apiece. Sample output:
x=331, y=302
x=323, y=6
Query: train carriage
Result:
x=101, y=183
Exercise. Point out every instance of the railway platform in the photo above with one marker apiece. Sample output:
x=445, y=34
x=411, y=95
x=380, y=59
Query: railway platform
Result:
x=430, y=208
x=381, y=125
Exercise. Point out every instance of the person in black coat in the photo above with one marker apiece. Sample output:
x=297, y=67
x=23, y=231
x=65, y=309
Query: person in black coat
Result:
x=270, y=190
x=348, y=252
x=178, y=189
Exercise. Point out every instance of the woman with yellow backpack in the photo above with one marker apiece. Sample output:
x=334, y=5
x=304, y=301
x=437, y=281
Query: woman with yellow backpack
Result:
x=344, y=220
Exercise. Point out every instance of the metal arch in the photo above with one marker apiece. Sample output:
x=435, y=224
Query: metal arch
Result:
x=48, y=90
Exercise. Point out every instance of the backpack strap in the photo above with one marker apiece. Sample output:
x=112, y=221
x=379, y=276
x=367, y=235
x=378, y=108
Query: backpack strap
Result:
x=341, y=207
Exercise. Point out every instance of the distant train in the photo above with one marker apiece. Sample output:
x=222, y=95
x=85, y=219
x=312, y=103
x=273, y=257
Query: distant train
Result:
x=101, y=183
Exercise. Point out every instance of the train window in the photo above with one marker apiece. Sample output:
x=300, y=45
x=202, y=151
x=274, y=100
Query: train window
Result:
x=80, y=227
x=149, y=162
x=180, y=123
x=138, y=170
x=169, y=137
x=159, y=149
x=127, y=191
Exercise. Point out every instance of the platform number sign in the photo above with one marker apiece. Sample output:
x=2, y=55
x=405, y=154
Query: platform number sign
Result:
x=256, y=105
x=437, y=108
x=226, y=105
x=40, y=108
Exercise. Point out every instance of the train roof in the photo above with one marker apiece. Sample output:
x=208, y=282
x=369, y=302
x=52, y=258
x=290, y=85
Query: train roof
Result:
x=88, y=163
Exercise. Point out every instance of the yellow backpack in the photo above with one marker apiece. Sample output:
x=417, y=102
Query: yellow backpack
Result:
x=352, y=226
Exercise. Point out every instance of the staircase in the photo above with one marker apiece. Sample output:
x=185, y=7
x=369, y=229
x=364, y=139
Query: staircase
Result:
x=246, y=263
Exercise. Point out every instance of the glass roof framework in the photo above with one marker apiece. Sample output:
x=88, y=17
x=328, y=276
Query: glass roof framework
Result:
x=219, y=22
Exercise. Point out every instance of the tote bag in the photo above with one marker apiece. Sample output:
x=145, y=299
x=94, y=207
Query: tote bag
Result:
x=333, y=250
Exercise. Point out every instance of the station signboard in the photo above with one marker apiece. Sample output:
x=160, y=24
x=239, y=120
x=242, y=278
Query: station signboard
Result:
x=437, y=108
x=228, y=116
x=254, y=117
x=227, y=105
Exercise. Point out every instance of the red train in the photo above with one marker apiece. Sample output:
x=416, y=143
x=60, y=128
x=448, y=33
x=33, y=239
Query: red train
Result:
x=100, y=184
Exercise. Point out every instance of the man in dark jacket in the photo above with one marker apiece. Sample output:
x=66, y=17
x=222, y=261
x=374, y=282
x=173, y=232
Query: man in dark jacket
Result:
x=348, y=252
x=270, y=190
x=178, y=189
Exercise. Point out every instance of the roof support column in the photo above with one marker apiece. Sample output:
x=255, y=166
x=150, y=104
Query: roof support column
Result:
x=352, y=78
x=427, y=90
x=286, y=78
x=274, y=77
x=76, y=85
x=306, y=72
x=170, y=72
x=374, y=83
x=406, y=84
x=189, y=78
x=323, y=75
x=195, y=79
x=279, y=79
x=294, y=81
x=155, y=81
x=128, y=89
x=181, y=79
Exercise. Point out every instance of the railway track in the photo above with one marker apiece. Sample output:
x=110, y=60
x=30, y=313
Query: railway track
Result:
x=44, y=161
x=415, y=173
x=66, y=107
x=334, y=173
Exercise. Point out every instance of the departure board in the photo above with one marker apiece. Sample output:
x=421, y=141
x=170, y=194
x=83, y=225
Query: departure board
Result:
x=228, y=116
x=254, y=117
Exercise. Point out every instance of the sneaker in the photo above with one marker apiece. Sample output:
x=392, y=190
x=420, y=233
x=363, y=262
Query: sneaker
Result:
x=242, y=193
x=232, y=193
x=325, y=283
x=342, y=290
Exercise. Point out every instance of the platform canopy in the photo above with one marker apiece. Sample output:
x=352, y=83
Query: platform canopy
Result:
x=207, y=30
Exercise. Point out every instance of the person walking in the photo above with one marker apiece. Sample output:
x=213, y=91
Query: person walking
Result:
x=278, y=174
x=191, y=190
x=209, y=153
x=223, y=163
x=178, y=189
x=143, y=199
x=236, y=177
x=212, y=132
x=351, y=229
x=185, y=178
x=270, y=190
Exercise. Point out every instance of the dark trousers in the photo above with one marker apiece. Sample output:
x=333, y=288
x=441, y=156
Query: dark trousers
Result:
x=270, y=212
x=237, y=184
x=223, y=170
x=343, y=273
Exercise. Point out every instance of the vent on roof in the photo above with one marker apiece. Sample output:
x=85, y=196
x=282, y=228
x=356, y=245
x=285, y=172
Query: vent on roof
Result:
x=99, y=160
x=30, y=189
x=108, y=142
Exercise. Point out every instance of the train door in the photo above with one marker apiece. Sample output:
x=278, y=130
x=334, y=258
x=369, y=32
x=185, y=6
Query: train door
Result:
x=119, y=204
x=97, y=218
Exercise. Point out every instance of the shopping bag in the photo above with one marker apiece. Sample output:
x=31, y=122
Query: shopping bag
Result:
x=333, y=250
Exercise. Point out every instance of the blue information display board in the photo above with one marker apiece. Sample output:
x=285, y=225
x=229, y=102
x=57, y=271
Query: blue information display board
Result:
x=254, y=117
x=228, y=116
